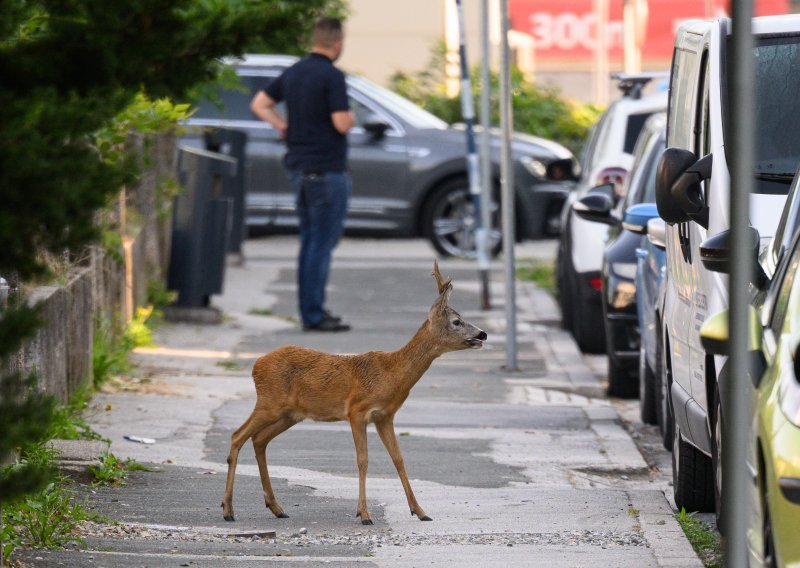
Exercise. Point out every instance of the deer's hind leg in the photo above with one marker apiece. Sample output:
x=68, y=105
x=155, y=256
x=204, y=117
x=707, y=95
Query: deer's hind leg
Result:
x=256, y=422
x=359, y=427
x=260, y=441
x=385, y=430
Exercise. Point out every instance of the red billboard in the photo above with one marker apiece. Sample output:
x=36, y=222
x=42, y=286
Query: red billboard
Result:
x=564, y=31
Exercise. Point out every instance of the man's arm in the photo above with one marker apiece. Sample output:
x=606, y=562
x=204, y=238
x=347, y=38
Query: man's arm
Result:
x=343, y=121
x=263, y=107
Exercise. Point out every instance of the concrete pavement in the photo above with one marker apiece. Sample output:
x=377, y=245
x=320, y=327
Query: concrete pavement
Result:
x=530, y=467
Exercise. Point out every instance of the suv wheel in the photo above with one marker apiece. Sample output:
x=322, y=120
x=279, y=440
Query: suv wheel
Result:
x=565, y=294
x=663, y=385
x=588, y=328
x=621, y=382
x=692, y=476
x=450, y=220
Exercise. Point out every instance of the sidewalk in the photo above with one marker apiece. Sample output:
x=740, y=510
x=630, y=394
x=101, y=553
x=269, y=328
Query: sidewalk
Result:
x=525, y=468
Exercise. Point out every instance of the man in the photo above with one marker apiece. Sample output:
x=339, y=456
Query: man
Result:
x=319, y=118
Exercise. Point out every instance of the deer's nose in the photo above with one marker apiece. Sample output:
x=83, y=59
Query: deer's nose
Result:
x=481, y=335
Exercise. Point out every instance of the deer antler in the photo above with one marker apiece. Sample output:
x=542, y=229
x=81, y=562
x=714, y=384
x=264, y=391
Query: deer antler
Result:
x=442, y=284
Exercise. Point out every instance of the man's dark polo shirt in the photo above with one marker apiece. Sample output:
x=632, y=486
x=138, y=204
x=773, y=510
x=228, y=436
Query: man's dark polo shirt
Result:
x=313, y=89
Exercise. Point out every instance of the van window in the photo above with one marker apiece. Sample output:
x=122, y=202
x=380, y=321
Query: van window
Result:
x=682, y=98
x=777, y=111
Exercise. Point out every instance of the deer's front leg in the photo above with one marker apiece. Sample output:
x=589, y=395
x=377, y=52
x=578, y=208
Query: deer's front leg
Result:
x=386, y=432
x=359, y=427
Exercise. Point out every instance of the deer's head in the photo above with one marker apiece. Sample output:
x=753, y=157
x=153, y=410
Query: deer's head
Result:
x=454, y=332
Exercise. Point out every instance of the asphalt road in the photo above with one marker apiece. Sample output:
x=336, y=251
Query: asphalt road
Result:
x=528, y=467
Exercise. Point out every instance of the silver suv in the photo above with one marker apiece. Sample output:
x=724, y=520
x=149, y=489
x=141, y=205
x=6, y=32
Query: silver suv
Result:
x=408, y=167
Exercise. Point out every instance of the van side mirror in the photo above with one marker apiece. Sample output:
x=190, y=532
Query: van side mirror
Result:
x=596, y=207
x=715, y=254
x=637, y=216
x=678, y=193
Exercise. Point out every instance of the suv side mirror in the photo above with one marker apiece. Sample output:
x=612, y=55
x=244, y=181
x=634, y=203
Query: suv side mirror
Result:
x=678, y=194
x=596, y=207
x=375, y=126
x=715, y=254
x=637, y=217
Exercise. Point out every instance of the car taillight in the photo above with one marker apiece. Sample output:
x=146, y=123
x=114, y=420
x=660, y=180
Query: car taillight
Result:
x=596, y=283
x=612, y=175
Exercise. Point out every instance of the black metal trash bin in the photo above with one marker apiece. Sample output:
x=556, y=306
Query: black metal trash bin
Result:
x=232, y=143
x=200, y=227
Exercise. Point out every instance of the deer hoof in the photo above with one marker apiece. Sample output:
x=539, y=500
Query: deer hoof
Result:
x=425, y=518
x=229, y=518
x=367, y=522
x=282, y=515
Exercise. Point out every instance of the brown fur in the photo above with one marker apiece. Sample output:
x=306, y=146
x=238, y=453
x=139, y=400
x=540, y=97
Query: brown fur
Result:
x=294, y=383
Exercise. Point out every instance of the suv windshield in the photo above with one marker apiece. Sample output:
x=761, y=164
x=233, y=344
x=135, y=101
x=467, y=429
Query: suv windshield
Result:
x=404, y=109
x=777, y=111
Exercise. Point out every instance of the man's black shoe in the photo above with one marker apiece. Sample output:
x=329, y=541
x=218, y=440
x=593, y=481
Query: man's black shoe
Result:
x=327, y=315
x=327, y=324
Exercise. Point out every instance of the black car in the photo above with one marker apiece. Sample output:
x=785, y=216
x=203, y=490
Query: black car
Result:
x=408, y=167
x=618, y=271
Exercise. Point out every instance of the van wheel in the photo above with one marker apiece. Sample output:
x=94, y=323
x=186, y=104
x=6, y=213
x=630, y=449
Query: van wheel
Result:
x=692, y=476
x=450, y=220
x=647, y=391
x=717, y=427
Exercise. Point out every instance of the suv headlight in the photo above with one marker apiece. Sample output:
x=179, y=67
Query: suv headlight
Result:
x=535, y=167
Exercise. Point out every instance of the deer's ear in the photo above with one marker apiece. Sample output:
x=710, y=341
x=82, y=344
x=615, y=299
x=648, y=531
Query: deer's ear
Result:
x=441, y=302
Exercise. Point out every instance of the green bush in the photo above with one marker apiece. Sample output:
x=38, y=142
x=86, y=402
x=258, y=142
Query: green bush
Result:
x=538, y=110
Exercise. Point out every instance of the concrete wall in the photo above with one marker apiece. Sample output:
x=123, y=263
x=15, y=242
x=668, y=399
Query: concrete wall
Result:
x=104, y=288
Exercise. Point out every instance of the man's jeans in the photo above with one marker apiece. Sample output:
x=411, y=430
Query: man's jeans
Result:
x=321, y=209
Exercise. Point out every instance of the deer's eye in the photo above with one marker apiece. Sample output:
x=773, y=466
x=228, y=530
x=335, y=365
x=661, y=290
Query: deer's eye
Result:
x=456, y=323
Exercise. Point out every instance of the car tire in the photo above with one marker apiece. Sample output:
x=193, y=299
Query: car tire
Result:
x=449, y=221
x=692, y=476
x=587, y=326
x=717, y=449
x=647, y=391
x=621, y=382
x=769, y=558
x=663, y=402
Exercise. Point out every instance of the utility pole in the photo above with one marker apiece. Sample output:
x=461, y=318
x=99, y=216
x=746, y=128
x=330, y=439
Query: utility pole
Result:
x=736, y=393
x=468, y=114
x=507, y=191
x=485, y=154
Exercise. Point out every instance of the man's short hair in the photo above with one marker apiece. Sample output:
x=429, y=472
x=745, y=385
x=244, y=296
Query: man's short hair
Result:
x=327, y=31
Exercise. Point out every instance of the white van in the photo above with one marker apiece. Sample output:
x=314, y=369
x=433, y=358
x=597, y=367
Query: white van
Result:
x=693, y=197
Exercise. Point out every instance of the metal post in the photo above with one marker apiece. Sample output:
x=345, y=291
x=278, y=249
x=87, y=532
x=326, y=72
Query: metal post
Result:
x=468, y=114
x=507, y=191
x=485, y=154
x=737, y=403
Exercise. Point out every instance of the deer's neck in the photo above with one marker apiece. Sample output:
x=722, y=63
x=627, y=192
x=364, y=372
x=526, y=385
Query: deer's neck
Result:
x=415, y=357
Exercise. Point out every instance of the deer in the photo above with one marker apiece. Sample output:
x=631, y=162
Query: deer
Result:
x=296, y=383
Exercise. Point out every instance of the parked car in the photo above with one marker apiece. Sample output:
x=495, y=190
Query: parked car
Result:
x=408, y=167
x=607, y=158
x=694, y=199
x=773, y=454
x=627, y=221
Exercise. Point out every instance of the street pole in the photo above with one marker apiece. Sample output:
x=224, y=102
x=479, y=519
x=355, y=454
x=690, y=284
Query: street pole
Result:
x=736, y=394
x=507, y=191
x=486, y=160
x=468, y=114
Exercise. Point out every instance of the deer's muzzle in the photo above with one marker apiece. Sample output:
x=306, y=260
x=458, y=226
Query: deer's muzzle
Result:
x=477, y=341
